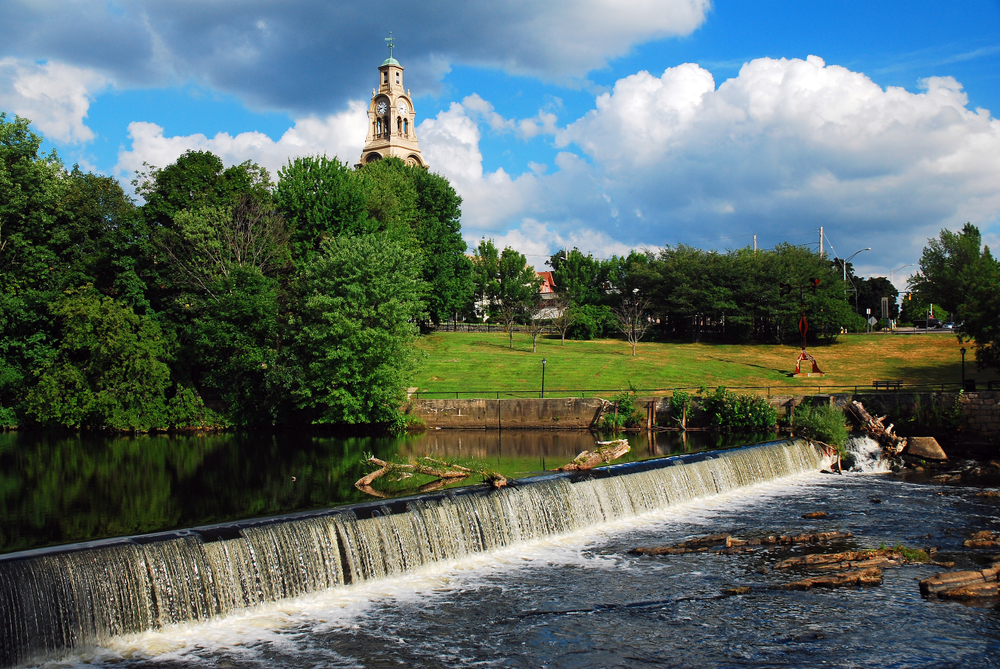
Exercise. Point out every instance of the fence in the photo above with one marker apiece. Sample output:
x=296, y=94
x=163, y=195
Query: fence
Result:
x=483, y=327
x=769, y=390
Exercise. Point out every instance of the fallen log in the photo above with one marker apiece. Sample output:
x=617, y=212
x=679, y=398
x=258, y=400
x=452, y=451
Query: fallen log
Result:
x=605, y=453
x=892, y=443
x=869, y=576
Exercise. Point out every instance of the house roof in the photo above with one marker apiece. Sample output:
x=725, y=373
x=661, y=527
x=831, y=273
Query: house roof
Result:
x=548, y=282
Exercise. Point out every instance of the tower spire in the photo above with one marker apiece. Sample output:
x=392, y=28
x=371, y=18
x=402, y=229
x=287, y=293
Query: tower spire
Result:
x=390, y=44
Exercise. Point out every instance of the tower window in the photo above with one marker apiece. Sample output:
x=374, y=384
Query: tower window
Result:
x=397, y=77
x=385, y=77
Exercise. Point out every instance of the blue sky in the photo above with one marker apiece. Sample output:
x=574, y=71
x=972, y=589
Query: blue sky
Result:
x=581, y=123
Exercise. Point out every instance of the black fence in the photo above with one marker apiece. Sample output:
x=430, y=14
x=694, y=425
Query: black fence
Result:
x=819, y=389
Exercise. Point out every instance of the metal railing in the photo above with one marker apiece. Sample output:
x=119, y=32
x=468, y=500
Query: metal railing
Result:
x=565, y=393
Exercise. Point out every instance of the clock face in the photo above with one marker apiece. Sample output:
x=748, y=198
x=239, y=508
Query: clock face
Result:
x=402, y=108
x=381, y=108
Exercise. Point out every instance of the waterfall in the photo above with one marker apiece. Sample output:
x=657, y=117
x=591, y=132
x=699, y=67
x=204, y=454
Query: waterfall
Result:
x=865, y=455
x=55, y=599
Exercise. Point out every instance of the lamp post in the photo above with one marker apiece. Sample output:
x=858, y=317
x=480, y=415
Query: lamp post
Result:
x=897, y=269
x=844, y=262
x=543, y=378
x=963, y=367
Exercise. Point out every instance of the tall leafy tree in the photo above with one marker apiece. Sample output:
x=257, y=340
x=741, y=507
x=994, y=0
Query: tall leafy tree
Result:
x=109, y=371
x=950, y=267
x=361, y=296
x=320, y=198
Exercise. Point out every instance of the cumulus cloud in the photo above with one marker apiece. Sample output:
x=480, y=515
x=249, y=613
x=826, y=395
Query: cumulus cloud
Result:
x=789, y=145
x=308, y=56
x=54, y=96
x=340, y=135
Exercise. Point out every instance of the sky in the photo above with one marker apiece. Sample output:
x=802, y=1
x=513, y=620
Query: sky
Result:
x=594, y=124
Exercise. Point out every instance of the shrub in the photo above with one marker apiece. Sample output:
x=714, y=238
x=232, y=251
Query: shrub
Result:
x=679, y=402
x=626, y=416
x=590, y=321
x=732, y=411
x=822, y=423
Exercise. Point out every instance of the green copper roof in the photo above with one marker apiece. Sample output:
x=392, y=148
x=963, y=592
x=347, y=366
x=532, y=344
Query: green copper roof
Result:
x=390, y=61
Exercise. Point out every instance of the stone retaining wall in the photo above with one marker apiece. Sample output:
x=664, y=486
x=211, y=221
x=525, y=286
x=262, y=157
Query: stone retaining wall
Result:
x=979, y=411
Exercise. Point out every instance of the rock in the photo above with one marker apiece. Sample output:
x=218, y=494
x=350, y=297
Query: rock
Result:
x=875, y=500
x=870, y=576
x=696, y=545
x=926, y=448
x=815, y=515
x=965, y=593
x=956, y=580
x=741, y=590
x=992, y=494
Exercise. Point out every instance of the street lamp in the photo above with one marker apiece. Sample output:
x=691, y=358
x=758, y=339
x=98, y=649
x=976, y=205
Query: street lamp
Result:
x=543, y=378
x=897, y=269
x=963, y=366
x=844, y=262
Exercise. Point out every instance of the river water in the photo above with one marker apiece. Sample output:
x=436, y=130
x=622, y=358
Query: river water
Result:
x=64, y=489
x=581, y=599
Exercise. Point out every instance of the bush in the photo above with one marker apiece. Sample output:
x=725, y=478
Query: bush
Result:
x=590, y=321
x=731, y=411
x=626, y=416
x=822, y=423
x=679, y=403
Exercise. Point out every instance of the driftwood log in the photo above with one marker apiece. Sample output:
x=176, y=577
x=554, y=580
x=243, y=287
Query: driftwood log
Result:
x=444, y=472
x=875, y=427
x=605, y=453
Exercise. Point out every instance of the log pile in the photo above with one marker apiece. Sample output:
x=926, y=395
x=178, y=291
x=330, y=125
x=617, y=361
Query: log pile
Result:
x=606, y=452
x=876, y=428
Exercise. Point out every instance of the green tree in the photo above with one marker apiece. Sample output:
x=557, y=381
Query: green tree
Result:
x=361, y=296
x=950, y=267
x=109, y=370
x=320, y=198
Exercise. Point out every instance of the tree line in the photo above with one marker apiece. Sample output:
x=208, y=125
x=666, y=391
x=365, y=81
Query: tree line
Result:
x=224, y=299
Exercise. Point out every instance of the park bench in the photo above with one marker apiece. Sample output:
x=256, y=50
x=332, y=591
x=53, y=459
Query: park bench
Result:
x=887, y=385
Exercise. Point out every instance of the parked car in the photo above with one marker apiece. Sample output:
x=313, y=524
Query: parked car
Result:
x=950, y=325
x=930, y=324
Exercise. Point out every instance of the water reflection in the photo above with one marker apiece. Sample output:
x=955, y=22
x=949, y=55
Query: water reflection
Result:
x=63, y=489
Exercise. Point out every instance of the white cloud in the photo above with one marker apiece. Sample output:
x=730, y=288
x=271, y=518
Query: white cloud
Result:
x=789, y=145
x=340, y=135
x=54, y=96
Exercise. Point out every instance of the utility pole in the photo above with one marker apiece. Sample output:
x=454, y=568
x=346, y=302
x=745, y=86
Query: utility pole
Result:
x=755, y=244
x=821, y=241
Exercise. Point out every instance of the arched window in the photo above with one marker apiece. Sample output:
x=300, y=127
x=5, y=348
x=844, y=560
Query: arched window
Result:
x=406, y=127
x=385, y=77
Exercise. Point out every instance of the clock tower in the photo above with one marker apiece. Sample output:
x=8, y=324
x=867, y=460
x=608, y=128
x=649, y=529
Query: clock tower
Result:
x=390, y=118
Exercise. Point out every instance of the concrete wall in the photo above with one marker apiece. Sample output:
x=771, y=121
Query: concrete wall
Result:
x=980, y=411
x=553, y=414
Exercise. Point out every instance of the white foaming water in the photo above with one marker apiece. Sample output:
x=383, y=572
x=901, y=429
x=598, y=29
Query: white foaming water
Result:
x=150, y=596
x=867, y=455
x=283, y=624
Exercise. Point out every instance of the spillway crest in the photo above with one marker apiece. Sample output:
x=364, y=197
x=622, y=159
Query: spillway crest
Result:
x=57, y=599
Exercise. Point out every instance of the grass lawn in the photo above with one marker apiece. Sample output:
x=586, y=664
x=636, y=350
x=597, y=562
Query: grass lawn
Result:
x=481, y=365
